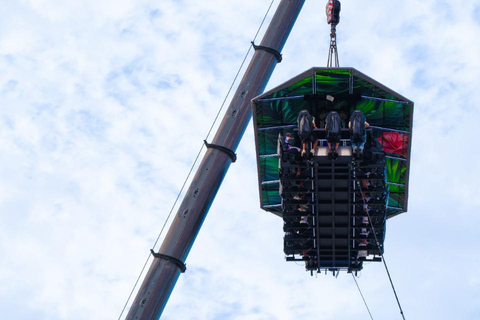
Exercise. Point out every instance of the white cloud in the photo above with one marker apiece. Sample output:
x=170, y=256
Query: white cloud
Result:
x=105, y=104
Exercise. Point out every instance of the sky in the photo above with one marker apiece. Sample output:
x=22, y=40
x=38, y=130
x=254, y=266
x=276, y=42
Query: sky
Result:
x=104, y=105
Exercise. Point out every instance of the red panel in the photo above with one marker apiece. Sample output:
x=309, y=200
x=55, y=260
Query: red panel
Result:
x=394, y=142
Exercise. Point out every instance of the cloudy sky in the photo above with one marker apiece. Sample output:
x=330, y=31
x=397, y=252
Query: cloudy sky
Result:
x=104, y=105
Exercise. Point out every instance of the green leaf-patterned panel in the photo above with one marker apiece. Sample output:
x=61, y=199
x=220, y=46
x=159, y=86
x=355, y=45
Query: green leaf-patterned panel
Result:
x=301, y=87
x=279, y=112
x=370, y=89
x=396, y=171
x=333, y=82
x=385, y=114
x=269, y=169
x=393, y=211
x=267, y=140
x=396, y=196
x=270, y=194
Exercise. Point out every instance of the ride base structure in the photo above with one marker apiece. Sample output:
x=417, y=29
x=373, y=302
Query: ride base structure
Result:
x=334, y=211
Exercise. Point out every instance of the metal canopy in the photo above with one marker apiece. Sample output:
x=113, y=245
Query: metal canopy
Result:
x=388, y=113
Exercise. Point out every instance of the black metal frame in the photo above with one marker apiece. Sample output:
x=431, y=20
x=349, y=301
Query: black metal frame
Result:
x=329, y=241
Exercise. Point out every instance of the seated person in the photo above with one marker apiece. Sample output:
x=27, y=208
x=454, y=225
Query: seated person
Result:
x=373, y=150
x=302, y=208
x=365, y=232
x=333, y=125
x=288, y=151
x=366, y=194
x=286, y=146
x=357, y=126
x=291, y=148
x=290, y=142
x=366, y=209
x=362, y=253
x=365, y=220
x=306, y=124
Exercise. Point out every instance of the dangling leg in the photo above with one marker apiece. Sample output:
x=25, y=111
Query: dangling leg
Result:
x=314, y=148
x=361, y=145
x=335, y=153
x=354, y=147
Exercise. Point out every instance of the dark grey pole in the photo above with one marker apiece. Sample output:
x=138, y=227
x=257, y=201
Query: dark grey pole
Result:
x=163, y=273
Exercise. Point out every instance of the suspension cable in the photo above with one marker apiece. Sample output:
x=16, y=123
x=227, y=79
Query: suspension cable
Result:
x=196, y=158
x=365, y=302
x=380, y=250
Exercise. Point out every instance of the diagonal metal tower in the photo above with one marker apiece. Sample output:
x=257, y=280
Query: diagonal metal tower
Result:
x=169, y=261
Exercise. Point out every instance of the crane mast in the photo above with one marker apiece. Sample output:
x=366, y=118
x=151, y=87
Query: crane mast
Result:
x=169, y=261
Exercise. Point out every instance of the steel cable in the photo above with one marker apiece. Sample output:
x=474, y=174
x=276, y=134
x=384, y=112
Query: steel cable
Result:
x=196, y=158
x=365, y=302
x=380, y=250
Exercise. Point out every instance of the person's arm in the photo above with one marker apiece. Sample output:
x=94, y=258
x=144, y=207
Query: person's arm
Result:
x=349, y=124
x=366, y=124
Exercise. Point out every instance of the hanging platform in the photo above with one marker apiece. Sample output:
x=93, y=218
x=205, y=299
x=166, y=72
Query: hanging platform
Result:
x=388, y=113
x=323, y=203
